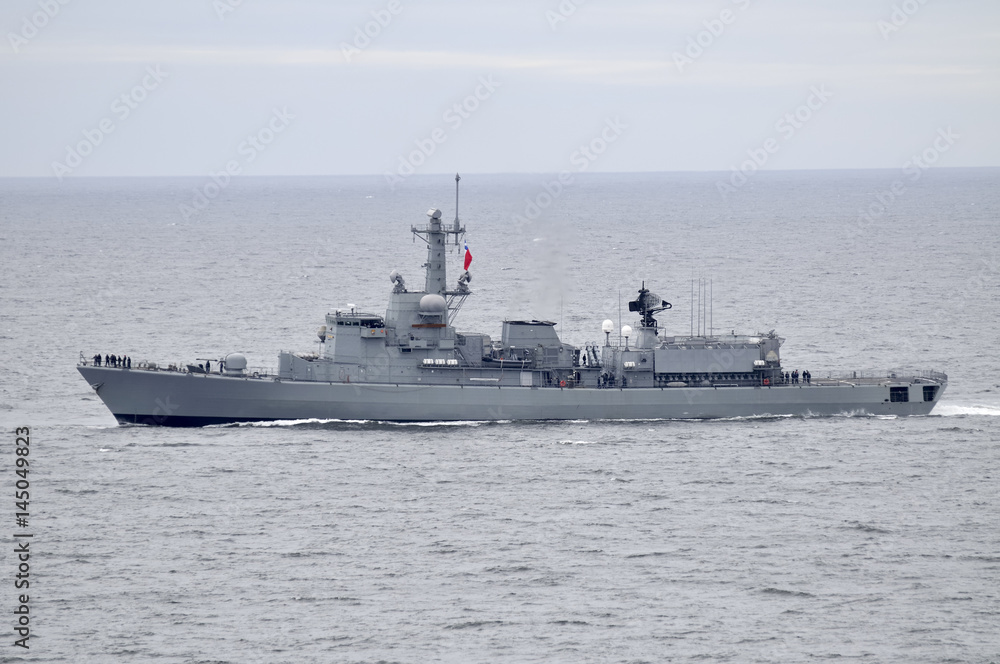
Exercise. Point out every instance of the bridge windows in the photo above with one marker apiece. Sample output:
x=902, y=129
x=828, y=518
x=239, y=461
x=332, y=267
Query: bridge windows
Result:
x=930, y=391
x=899, y=394
x=375, y=323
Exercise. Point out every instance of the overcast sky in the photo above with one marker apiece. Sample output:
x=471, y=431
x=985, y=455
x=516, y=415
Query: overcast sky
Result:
x=296, y=87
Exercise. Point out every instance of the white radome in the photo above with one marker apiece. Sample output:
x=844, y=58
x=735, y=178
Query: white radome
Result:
x=432, y=304
x=236, y=362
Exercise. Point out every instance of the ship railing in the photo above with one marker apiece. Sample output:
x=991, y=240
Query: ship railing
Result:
x=141, y=365
x=249, y=372
x=880, y=378
x=891, y=374
x=178, y=367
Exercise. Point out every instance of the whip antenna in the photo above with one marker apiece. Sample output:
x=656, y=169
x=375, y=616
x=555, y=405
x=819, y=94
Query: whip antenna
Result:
x=457, y=178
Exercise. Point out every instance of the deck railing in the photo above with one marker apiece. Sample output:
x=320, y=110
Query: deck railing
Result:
x=843, y=376
x=177, y=367
x=899, y=374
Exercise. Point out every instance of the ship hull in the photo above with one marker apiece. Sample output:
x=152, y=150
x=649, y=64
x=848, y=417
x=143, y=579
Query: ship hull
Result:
x=167, y=398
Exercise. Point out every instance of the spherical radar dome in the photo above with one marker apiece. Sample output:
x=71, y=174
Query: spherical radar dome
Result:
x=608, y=326
x=432, y=304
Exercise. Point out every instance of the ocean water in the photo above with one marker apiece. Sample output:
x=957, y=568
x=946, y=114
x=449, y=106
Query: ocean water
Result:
x=746, y=540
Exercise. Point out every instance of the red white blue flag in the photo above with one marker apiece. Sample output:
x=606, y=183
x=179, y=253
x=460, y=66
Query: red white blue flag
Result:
x=468, y=257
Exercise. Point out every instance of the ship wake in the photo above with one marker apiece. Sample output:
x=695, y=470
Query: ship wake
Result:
x=951, y=410
x=319, y=423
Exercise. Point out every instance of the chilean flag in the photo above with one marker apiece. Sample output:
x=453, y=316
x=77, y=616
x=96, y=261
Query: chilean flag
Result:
x=468, y=257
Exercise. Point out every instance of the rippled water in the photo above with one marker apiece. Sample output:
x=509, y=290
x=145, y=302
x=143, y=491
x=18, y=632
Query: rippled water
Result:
x=769, y=539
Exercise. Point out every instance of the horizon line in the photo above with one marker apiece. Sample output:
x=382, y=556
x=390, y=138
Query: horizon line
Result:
x=491, y=173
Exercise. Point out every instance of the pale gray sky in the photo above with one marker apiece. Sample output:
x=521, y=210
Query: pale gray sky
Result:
x=558, y=75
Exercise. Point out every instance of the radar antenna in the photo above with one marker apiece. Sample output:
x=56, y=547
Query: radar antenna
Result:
x=648, y=304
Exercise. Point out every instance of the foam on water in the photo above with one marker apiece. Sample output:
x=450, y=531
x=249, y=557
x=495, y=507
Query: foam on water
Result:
x=946, y=409
x=315, y=421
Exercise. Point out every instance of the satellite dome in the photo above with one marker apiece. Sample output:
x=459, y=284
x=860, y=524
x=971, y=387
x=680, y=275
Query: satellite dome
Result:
x=627, y=331
x=432, y=304
x=608, y=326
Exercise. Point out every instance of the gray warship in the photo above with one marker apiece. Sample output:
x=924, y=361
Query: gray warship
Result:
x=412, y=364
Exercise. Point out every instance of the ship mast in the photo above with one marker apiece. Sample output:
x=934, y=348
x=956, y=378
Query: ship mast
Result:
x=436, y=234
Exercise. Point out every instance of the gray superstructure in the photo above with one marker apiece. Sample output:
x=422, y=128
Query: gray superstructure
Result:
x=411, y=364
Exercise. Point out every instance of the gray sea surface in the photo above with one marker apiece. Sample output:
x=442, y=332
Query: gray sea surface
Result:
x=744, y=540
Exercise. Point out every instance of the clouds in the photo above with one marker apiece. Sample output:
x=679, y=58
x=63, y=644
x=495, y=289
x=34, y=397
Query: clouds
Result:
x=560, y=80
